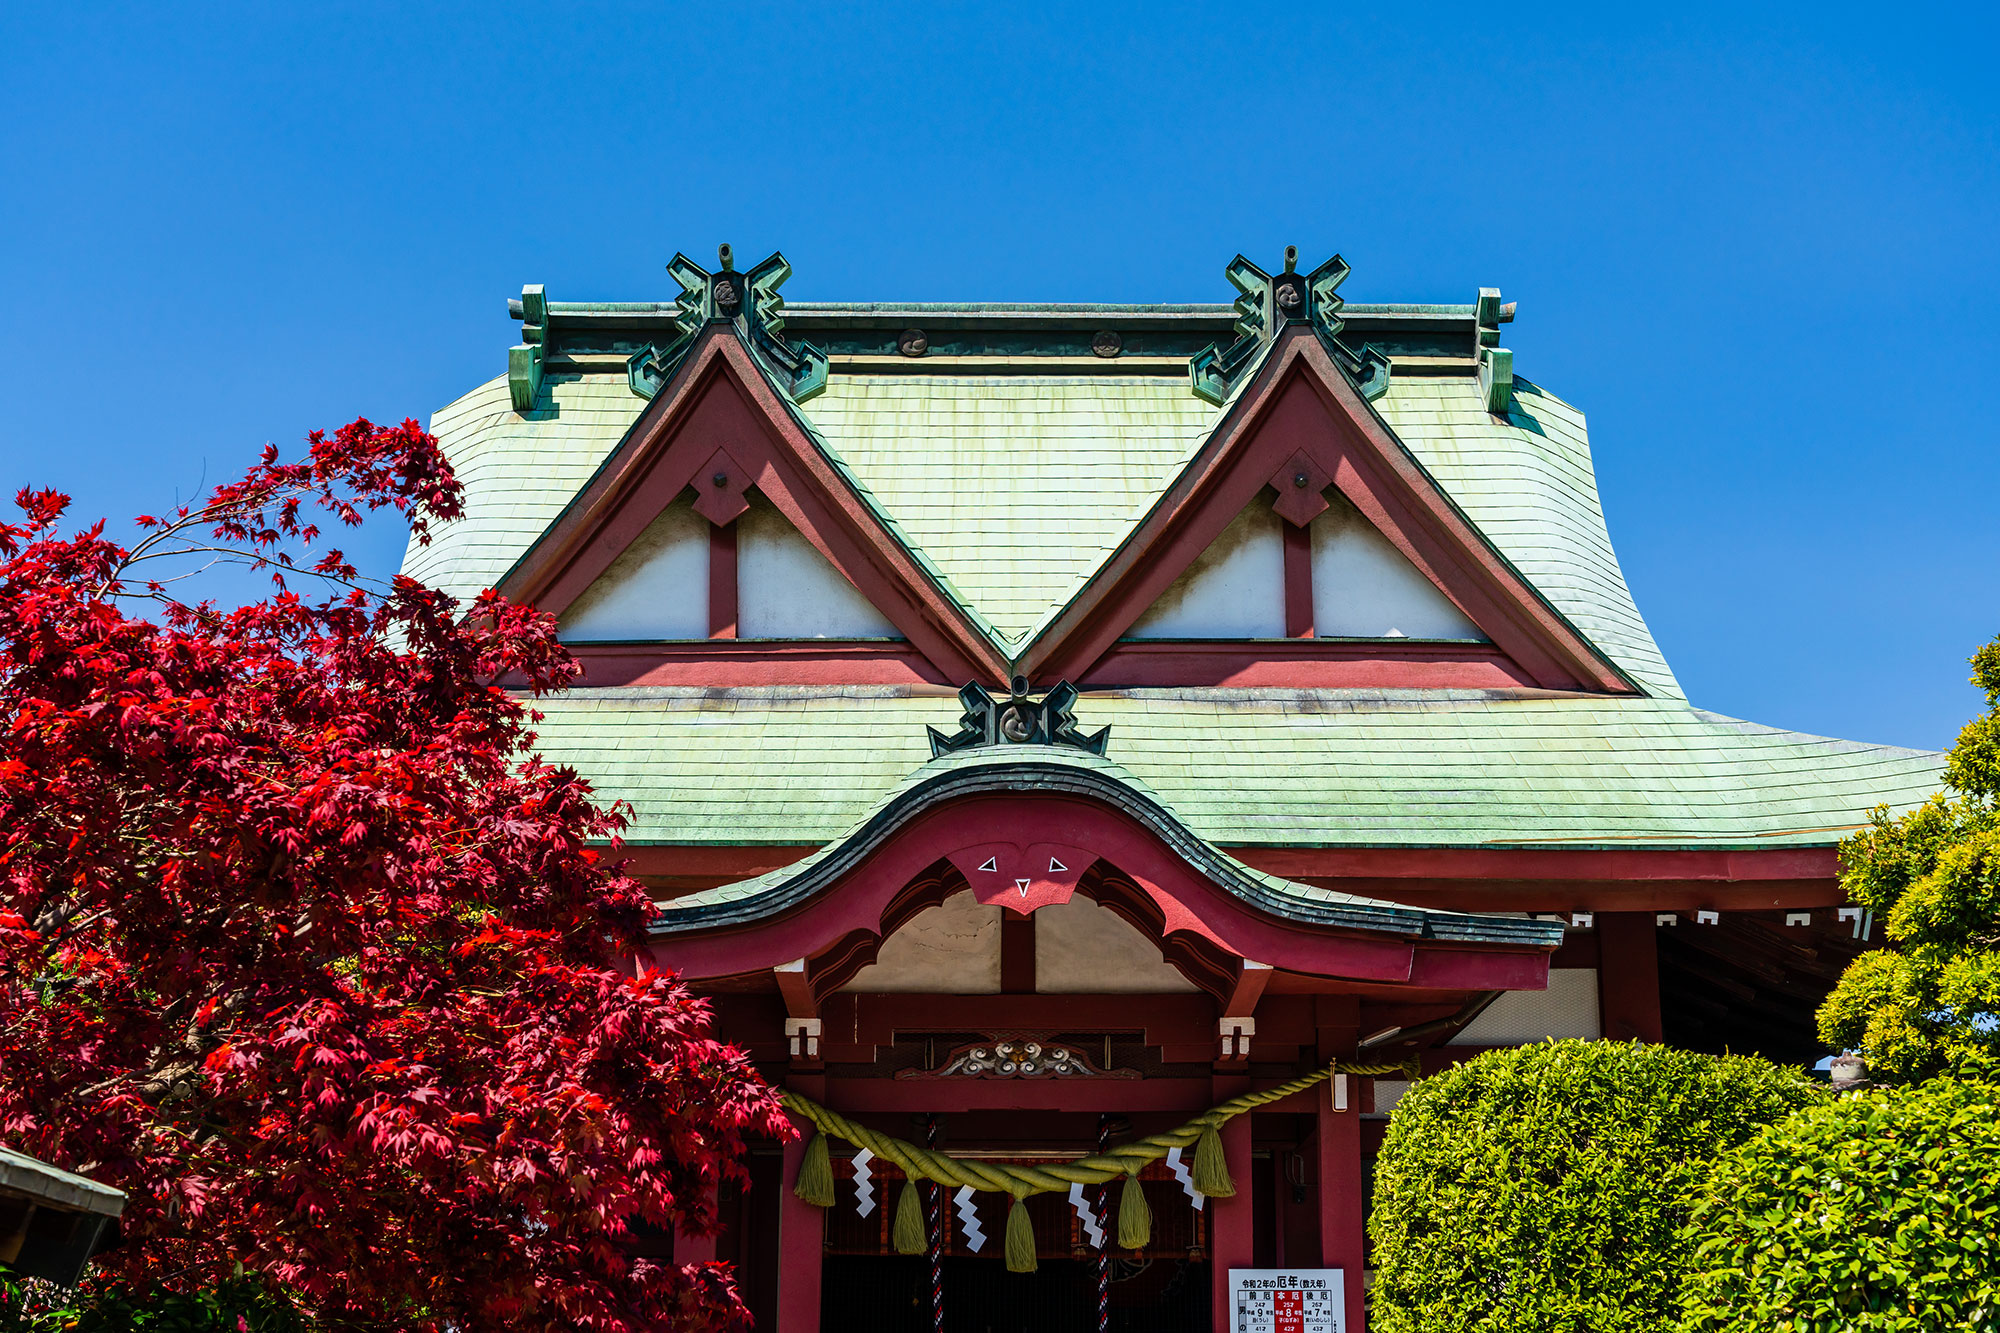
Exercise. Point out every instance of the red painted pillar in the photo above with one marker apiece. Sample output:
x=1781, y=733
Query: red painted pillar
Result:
x=1232, y=1221
x=1628, y=976
x=1342, y=1243
x=801, y=1239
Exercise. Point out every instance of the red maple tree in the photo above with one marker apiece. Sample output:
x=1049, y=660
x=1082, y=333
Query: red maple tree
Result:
x=302, y=946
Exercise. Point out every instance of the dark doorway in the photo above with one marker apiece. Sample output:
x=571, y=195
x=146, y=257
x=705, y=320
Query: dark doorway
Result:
x=891, y=1294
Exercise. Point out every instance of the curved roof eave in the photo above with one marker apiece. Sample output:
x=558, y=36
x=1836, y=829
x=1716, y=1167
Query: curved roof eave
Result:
x=1000, y=770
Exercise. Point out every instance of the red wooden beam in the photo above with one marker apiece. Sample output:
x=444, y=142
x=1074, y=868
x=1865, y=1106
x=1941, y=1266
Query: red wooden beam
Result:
x=1298, y=582
x=722, y=580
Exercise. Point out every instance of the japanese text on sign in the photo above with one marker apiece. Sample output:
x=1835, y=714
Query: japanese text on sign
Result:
x=1303, y=1300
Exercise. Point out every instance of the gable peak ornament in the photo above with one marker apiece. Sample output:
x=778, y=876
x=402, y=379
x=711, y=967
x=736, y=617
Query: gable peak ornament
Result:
x=1265, y=306
x=1017, y=720
x=750, y=304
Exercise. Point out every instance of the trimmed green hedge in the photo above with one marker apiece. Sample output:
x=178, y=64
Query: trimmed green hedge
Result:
x=242, y=1306
x=1544, y=1189
x=1875, y=1212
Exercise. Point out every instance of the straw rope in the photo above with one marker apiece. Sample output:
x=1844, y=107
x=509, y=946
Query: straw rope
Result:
x=1020, y=1181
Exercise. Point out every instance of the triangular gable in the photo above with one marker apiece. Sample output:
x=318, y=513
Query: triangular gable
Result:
x=1302, y=429
x=717, y=426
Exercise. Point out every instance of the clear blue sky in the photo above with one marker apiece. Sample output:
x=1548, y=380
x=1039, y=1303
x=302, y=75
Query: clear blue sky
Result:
x=1759, y=251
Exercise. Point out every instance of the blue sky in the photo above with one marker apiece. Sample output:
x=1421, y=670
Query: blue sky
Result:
x=1758, y=249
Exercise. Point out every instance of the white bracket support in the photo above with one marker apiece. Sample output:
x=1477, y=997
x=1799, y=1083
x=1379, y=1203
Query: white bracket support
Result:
x=1666, y=918
x=1707, y=918
x=1864, y=922
x=1236, y=1034
x=802, y=1037
x=1798, y=918
x=1583, y=920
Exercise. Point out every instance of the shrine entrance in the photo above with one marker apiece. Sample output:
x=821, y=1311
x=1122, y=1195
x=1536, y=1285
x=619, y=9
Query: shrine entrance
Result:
x=891, y=1294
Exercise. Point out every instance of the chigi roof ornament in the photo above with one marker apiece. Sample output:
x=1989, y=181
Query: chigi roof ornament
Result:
x=1017, y=720
x=1267, y=304
x=750, y=301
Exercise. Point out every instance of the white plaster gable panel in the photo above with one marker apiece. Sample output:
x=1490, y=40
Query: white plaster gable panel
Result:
x=950, y=949
x=1233, y=590
x=656, y=589
x=1568, y=1008
x=785, y=589
x=1082, y=948
x=1363, y=587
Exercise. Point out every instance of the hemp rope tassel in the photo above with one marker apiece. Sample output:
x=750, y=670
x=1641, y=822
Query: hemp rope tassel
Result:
x=1020, y=1238
x=1211, y=1167
x=816, y=1174
x=908, y=1232
x=1135, y=1215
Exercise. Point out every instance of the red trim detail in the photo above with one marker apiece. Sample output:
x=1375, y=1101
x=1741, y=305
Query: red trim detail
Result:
x=865, y=1096
x=1304, y=663
x=1775, y=863
x=1628, y=976
x=733, y=661
x=719, y=405
x=1298, y=582
x=1187, y=904
x=1017, y=954
x=1302, y=403
x=722, y=580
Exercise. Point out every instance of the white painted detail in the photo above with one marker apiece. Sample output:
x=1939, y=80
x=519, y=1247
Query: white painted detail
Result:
x=968, y=1217
x=1056, y=867
x=1082, y=948
x=1185, y=1176
x=1236, y=1034
x=1707, y=918
x=1339, y=1093
x=1363, y=587
x=950, y=949
x=990, y=864
x=864, y=1182
x=1666, y=919
x=656, y=589
x=1798, y=918
x=1022, y=885
x=785, y=589
x=802, y=1037
x=1233, y=590
x=1093, y=1225
x=1583, y=920
x=1568, y=1008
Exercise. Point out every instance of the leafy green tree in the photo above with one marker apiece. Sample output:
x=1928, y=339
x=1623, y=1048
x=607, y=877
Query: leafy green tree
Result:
x=1877, y=1212
x=1545, y=1189
x=1932, y=878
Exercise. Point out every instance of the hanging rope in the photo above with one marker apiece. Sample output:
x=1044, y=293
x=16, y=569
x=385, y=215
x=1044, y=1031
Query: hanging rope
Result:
x=1103, y=1251
x=1211, y=1172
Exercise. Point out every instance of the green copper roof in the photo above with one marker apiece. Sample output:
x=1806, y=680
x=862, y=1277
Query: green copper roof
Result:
x=1017, y=487
x=1446, y=768
x=1062, y=771
x=1012, y=489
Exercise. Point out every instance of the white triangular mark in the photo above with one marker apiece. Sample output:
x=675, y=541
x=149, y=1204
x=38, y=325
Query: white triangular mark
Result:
x=1055, y=866
x=991, y=863
x=1022, y=885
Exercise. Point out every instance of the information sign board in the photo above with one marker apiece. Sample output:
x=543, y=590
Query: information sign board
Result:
x=1296, y=1300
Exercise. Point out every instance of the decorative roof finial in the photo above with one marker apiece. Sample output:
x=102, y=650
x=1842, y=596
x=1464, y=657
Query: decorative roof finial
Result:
x=749, y=302
x=1264, y=307
x=1017, y=720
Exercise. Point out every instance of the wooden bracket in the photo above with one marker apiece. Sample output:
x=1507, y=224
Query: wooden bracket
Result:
x=800, y=1002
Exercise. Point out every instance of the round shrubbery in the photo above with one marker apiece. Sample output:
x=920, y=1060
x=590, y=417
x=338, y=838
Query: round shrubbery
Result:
x=1877, y=1211
x=1545, y=1189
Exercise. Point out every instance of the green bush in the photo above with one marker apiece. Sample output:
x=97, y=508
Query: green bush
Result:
x=1545, y=1189
x=242, y=1306
x=1876, y=1211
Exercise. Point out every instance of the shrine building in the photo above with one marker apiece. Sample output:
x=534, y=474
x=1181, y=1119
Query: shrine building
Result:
x=1046, y=725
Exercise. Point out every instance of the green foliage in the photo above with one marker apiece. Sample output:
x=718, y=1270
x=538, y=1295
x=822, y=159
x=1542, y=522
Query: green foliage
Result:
x=240, y=1306
x=1874, y=1212
x=1544, y=1189
x=1932, y=878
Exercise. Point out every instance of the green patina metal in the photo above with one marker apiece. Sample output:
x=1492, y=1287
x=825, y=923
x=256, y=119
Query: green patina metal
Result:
x=747, y=302
x=1265, y=306
x=1496, y=363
